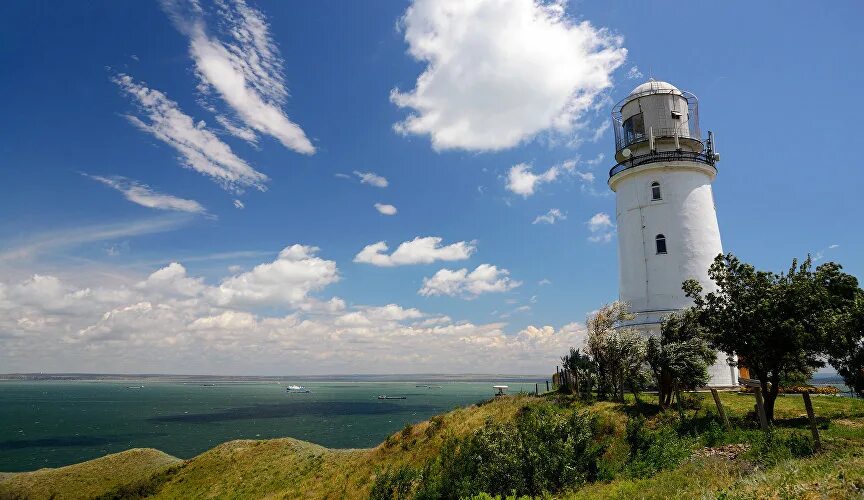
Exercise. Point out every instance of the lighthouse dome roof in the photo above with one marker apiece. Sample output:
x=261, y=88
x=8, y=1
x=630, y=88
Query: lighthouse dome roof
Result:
x=654, y=86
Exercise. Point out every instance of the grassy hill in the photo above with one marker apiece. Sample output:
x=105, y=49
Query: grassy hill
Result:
x=89, y=479
x=637, y=452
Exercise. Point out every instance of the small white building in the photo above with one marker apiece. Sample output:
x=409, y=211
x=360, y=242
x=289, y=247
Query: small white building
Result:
x=666, y=219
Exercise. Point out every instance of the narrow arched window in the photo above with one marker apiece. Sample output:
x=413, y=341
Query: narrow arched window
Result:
x=660, y=240
x=655, y=191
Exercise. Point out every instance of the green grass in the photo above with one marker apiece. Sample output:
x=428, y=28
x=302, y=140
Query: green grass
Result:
x=89, y=479
x=288, y=468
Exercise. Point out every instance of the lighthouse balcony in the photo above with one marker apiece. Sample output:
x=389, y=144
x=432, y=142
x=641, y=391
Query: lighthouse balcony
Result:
x=707, y=158
x=633, y=139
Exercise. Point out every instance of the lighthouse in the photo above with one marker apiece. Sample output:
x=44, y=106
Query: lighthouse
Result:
x=666, y=218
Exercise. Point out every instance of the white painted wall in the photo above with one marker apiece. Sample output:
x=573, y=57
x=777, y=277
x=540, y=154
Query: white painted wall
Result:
x=685, y=216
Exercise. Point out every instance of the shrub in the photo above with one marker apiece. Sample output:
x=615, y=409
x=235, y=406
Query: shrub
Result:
x=771, y=448
x=542, y=450
x=406, y=431
x=435, y=424
x=389, y=441
x=394, y=485
x=653, y=451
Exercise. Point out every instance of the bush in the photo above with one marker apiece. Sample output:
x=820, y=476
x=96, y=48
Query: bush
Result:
x=389, y=441
x=654, y=451
x=771, y=448
x=406, y=431
x=435, y=424
x=394, y=485
x=543, y=450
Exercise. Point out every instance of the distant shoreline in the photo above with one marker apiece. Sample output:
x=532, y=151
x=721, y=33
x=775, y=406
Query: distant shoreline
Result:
x=410, y=377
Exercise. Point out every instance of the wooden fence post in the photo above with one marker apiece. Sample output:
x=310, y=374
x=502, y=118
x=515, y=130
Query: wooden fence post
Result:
x=536, y=389
x=760, y=409
x=812, y=418
x=720, y=411
x=547, y=386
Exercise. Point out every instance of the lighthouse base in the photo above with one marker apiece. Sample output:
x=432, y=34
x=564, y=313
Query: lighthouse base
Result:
x=722, y=374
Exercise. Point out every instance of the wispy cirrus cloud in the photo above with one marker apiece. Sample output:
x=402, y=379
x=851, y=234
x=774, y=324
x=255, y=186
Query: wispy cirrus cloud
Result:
x=143, y=195
x=65, y=238
x=199, y=148
x=237, y=57
x=550, y=217
x=372, y=179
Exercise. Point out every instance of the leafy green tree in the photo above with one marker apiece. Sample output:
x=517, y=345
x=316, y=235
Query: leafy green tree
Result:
x=618, y=352
x=778, y=323
x=846, y=343
x=680, y=356
x=582, y=367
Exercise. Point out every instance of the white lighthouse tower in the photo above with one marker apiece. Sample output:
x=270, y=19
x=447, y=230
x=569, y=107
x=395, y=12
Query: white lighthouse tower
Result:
x=667, y=223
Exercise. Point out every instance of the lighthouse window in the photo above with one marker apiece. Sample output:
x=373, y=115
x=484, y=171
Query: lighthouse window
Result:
x=655, y=191
x=661, y=244
x=634, y=128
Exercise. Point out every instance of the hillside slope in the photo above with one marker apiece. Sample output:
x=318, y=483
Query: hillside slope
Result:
x=289, y=468
x=89, y=479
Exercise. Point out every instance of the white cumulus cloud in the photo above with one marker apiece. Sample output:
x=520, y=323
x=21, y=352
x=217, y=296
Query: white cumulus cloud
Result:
x=498, y=72
x=287, y=280
x=172, y=322
x=601, y=226
x=420, y=250
x=522, y=181
x=385, y=209
x=486, y=278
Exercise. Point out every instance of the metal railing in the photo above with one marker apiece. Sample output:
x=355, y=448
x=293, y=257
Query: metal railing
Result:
x=663, y=156
x=622, y=139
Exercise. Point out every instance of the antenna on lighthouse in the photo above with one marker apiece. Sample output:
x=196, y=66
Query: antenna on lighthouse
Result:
x=712, y=147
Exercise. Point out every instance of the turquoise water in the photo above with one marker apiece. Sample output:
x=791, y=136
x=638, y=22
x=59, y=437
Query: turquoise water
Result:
x=55, y=423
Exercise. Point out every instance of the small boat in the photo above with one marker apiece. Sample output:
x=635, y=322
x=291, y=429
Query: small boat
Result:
x=391, y=397
x=298, y=389
x=134, y=386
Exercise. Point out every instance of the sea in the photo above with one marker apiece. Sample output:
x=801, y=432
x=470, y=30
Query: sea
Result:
x=64, y=420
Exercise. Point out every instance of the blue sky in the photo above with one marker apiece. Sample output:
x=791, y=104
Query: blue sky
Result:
x=95, y=200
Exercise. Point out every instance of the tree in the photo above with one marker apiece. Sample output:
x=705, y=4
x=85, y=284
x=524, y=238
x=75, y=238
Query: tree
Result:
x=846, y=344
x=778, y=323
x=618, y=352
x=582, y=367
x=680, y=356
